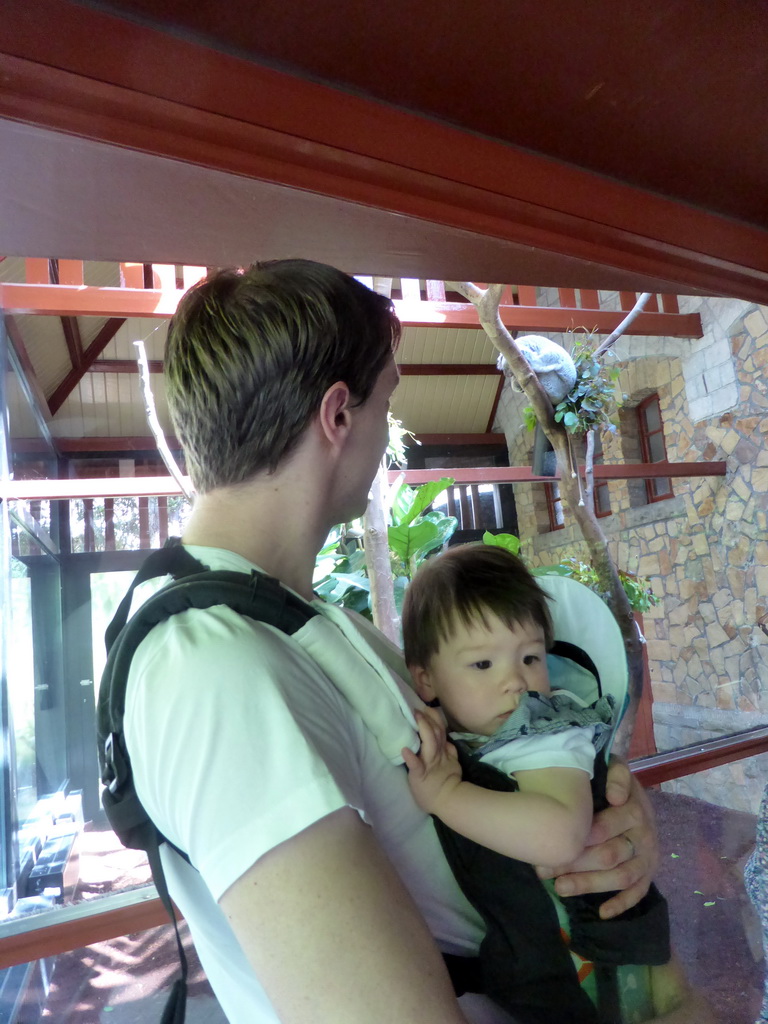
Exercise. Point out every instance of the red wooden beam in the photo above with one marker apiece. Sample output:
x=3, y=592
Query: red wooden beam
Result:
x=651, y=771
x=443, y=439
x=44, y=936
x=449, y=370
x=523, y=474
x=236, y=116
x=35, y=387
x=406, y=369
x=72, y=337
x=496, y=400
x=61, y=300
x=118, y=487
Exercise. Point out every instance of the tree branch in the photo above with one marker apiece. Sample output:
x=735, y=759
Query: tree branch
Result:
x=589, y=467
x=614, y=336
x=154, y=424
x=383, y=606
x=487, y=305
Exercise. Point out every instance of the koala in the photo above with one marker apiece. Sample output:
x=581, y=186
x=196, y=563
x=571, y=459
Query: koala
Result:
x=549, y=361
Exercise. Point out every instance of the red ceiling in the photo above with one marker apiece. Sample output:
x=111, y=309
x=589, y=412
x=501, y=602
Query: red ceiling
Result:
x=668, y=95
x=617, y=144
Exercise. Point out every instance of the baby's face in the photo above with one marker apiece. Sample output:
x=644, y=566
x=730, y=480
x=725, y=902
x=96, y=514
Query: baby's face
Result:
x=480, y=674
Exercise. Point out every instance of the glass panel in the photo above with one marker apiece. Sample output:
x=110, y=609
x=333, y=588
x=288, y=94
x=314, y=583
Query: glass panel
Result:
x=602, y=499
x=107, y=591
x=21, y=689
x=715, y=930
x=125, y=524
x=657, y=450
x=661, y=487
x=123, y=981
x=652, y=416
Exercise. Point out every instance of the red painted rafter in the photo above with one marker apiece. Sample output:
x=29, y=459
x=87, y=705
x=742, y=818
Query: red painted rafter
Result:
x=61, y=300
x=496, y=400
x=406, y=369
x=453, y=439
x=352, y=148
x=35, y=387
x=74, y=342
x=78, y=445
x=73, y=378
x=117, y=487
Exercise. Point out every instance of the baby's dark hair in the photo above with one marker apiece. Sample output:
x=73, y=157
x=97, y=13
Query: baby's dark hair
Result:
x=464, y=584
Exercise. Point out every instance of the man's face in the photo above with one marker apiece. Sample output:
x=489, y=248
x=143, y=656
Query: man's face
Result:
x=368, y=442
x=480, y=673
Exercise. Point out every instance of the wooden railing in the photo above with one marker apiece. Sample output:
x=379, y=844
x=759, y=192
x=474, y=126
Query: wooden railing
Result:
x=57, y=287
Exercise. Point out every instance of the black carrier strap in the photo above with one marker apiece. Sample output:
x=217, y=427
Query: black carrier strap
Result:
x=254, y=595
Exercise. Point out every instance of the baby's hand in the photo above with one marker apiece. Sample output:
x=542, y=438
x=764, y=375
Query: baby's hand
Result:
x=434, y=772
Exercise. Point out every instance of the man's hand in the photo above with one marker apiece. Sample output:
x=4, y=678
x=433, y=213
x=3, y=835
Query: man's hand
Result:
x=622, y=848
x=434, y=772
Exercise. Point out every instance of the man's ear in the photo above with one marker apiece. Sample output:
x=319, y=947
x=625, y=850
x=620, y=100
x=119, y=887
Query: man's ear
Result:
x=334, y=417
x=423, y=683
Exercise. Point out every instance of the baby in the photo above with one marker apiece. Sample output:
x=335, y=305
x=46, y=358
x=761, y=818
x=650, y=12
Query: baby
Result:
x=519, y=783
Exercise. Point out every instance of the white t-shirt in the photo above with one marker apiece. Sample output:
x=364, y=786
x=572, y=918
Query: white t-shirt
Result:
x=238, y=741
x=571, y=748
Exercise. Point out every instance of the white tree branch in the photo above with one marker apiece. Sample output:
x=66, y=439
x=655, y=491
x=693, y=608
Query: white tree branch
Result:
x=154, y=424
x=614, y=336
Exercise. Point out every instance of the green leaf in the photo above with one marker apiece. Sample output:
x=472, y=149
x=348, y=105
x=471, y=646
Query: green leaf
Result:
x=529, y=417
x=502, y=540
x=402, y=500
x=406, y=540
x=409, y=501
x=353, y=579
x=358, y=601
x=401, y=585
x=424, y=497
x=570, y=419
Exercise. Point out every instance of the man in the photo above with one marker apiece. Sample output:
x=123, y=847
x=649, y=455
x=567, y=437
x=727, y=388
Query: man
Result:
x=318, y=888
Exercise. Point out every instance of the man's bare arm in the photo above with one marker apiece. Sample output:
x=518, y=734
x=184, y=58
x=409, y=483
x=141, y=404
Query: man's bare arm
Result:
x=622, y=851
x=333, y=935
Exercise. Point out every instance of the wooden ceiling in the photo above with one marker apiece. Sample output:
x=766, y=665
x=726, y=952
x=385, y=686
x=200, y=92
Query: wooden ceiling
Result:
x=547, y=142
x=615, y=146
x=670, y=96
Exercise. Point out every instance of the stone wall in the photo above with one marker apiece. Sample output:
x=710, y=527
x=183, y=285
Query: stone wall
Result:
x=706, y=549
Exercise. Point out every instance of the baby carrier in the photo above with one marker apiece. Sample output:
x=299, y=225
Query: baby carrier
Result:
x=524, y=964
x=264, y=599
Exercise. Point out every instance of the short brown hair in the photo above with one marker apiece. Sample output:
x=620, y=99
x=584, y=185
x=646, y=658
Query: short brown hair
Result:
x=251, y=353
x=465, y=583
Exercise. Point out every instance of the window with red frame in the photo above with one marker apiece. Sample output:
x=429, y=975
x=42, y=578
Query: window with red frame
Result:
x=651, y=432
x=600, y=494
x=554, y=507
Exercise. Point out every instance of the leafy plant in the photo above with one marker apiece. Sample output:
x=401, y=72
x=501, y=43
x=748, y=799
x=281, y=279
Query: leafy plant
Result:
x=637, y=588
x=341, y=575
x=502, y=540
x=592, y=401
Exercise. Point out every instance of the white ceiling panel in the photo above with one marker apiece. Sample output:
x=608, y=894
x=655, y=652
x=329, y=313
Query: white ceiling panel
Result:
x=445, y=345
x=438, y=405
